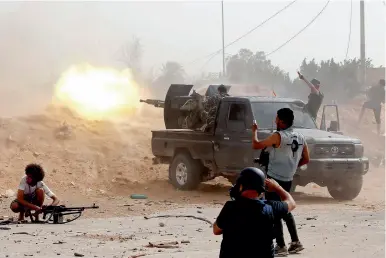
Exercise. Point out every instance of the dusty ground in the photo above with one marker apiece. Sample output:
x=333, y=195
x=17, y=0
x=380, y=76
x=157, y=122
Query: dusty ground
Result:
x=347, y=232
x=104, y=163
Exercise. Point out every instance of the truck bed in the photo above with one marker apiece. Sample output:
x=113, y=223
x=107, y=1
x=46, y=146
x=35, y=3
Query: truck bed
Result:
x=166, y=142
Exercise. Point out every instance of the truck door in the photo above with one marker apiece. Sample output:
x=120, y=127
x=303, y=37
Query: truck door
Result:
x=233, y=136
x=330, y=118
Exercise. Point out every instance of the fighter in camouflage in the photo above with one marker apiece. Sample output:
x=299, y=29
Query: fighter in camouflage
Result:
x=183, y=111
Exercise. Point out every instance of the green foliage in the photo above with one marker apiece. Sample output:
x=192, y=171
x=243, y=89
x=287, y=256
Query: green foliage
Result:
x=171, y=72
x=255, y=68
x=339, y=80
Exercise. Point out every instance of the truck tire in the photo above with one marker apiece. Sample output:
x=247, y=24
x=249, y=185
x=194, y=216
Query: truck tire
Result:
x=185, y=173
x=346, y=190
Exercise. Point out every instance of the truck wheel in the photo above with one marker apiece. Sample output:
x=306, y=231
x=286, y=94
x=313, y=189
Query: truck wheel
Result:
x=346, y=190
x=185, y=172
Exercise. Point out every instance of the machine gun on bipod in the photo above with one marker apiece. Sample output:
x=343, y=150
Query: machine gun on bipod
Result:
x=154, y=102
x=62, y=214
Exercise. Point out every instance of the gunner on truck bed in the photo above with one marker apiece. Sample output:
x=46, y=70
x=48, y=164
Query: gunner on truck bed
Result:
x=210, y=108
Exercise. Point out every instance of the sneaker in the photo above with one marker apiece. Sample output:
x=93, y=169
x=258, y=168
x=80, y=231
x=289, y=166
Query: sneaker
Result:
x=281, y=251
x=295, y=247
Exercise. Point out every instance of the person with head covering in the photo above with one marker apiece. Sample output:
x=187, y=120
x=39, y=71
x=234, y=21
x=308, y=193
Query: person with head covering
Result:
x=376, y=96
x=208, y=115
x=315, y=99
x=246, y=223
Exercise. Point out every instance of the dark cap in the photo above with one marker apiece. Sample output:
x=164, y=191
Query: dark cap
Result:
x=222, y=89
x=252, y=178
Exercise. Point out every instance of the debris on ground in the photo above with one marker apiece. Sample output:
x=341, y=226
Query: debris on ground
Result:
x=9, y=193
x=179, y=216
x=138, y=196
x=172, y=244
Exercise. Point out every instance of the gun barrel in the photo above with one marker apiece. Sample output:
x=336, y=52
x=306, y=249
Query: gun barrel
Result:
x=81, y=208
x=153, y=102
x=63, y=208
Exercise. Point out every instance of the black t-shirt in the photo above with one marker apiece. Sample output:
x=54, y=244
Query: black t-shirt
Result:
x=247, y=227
x=376, y=96
x=314, y=102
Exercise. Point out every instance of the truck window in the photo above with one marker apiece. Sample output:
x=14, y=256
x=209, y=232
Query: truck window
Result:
x=236, y=117
x=265, y=115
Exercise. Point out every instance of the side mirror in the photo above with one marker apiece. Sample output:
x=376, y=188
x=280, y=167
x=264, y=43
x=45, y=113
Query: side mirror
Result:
x=333, y=126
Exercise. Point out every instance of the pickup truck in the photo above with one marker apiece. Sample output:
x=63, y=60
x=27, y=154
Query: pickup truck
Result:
x=337, y=161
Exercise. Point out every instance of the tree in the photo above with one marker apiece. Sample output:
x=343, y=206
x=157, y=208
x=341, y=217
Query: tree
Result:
x=131, y=55
x=171, y=72
x=339, y=80
x=256, y=69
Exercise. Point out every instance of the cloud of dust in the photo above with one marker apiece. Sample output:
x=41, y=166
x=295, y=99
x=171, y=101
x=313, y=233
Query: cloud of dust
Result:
x=40, y=40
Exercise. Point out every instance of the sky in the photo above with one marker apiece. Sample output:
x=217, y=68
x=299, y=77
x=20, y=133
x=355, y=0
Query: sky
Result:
x=43, y=38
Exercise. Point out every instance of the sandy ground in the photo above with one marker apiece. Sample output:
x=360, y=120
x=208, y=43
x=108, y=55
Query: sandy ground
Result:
x=104, y=163
x=347, y=232
x=327, y=228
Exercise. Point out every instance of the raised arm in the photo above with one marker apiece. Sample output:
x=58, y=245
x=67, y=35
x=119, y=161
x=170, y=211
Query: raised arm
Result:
x=310, y=85
x=273, y=140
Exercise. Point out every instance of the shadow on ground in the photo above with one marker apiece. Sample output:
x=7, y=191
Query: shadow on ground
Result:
x=210, y=191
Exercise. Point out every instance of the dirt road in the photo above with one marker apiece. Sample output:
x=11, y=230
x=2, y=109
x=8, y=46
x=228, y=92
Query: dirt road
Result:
x=327, y=228
x=327, y=232
x=103, y=163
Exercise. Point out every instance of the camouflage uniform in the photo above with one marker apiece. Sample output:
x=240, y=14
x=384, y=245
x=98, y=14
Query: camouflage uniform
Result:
x=195, y=107
x=191, y=120
x=208, y=115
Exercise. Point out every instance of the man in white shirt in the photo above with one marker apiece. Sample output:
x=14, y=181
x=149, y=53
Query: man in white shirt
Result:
x=31, y=193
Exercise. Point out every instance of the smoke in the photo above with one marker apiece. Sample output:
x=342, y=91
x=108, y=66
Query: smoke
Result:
x=39, y=40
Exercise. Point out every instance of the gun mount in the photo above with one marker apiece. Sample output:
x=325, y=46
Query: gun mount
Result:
x=178, y=104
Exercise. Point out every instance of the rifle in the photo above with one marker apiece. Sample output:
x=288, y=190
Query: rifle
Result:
x=154, y=102
x=57, y=214
x=263, y=160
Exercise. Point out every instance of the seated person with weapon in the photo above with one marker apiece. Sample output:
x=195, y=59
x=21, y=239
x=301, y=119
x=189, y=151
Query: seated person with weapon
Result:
x=31, y=193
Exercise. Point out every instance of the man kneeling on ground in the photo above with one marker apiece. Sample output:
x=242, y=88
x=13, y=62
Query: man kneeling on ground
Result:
x=247, y=222
x=31, y=193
